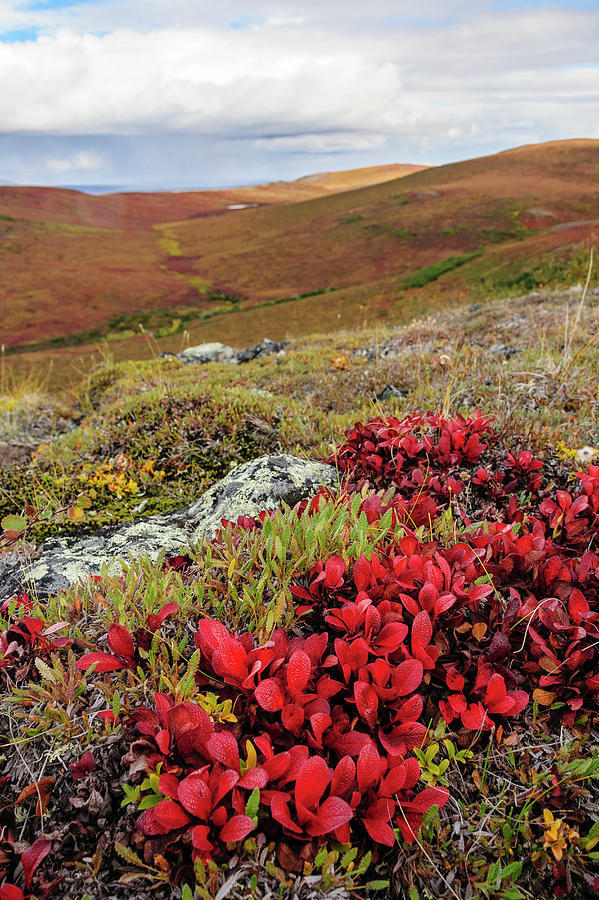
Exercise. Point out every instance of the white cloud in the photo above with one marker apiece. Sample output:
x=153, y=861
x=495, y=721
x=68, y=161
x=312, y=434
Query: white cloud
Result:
x=311, y=77
x=320, y=143
x=83, y=161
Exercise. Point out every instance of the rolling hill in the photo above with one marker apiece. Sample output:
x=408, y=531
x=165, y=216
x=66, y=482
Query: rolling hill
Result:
x=71, y=261
x=294, y=257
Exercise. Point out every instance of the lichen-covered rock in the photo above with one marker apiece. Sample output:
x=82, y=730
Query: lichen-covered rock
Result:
x=211, y=352
x=263, y=483
x=264, y=348
x=217, y=352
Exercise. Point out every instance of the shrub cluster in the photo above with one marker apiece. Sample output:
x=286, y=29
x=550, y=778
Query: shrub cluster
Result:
x=451, y=618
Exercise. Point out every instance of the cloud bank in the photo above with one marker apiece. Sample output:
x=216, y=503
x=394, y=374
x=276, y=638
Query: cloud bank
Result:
x=326, y=84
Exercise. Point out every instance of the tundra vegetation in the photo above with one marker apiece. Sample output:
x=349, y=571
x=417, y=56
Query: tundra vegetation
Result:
x=388, y=690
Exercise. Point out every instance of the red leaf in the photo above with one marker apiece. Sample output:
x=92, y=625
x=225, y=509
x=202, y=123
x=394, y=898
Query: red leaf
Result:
x=407, y=677
x=390, y=637
x=410, y=709
x=199, y=838
x=380, y=831
x=457, y=703
x=168, y=785
x=422, y=630
x=230, y=660
x=496, y=693
x=362, y=573
x=280, y=811
x=269, y=696
x=333, y=813
x=334, y=569
x=292, y=717
x=170, y=815
x=328, y=687
x=226, y=781
x=320, y=722
x=194, y=795
x=236, y=829
x=223, y=747
x=185, y=718
x=312, y=781
x=212, y=633
x=11, y=892
x=167, y=610
x=277, y=765
x=453, y=679
x=475, y=717
x=403, y=737
x=445, y=602
x=367, y=702
x=121, y=642
x=33, y=856
x=343, y=776
x=253, y=778
x=298, y=670
x=395, y=780
x=376, y=821
x=351, y=743
x=428, y=596
x=434, y=796
x=369, y=767
x=83, y=767
x=105, y=662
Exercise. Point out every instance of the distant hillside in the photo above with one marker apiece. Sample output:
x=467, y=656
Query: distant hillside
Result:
x=70, y=261
x=289, y=258
x=525, y=213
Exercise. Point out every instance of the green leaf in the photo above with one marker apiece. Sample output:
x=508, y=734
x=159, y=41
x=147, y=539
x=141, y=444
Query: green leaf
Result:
x=186, y=893
x=512, y=871
x=493, y=873
x=128, y=855
x=150, y=801
x=377, y=885
x=14, y=523
x=592, y=837
x=253, y=803
x=348, y=857
x=320, y=857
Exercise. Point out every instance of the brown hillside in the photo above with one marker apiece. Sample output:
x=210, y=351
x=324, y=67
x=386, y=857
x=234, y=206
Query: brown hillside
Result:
x=494, y=225
x=380, y=235
x=71, y=261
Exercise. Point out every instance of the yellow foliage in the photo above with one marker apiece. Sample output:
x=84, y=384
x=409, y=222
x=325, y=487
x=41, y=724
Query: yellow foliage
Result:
x=557, y=835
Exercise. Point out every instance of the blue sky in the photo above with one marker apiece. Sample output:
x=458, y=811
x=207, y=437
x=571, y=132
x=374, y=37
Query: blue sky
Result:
x=198, y=92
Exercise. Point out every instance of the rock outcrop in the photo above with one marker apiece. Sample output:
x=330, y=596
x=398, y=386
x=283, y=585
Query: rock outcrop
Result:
x=205, y=353
x=222, y=353
x=263, y=483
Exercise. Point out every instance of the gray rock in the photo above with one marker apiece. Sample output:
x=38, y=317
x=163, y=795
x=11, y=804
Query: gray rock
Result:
x=391, y=391
x=263, y=483
x=503, y=350
x=265, y=348
x=205, y=353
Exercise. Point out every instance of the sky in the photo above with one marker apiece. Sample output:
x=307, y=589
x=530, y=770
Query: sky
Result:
x=210, y=93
